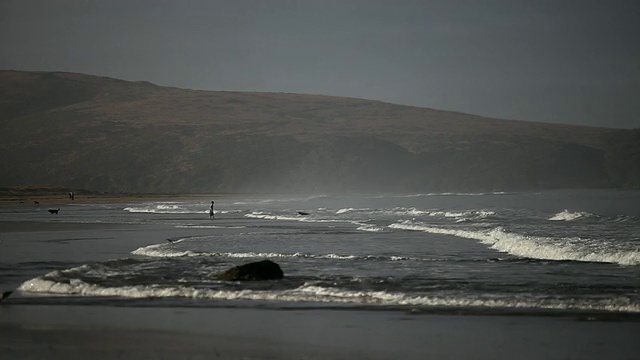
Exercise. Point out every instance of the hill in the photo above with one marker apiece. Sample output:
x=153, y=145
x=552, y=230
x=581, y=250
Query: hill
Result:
x=102, y=134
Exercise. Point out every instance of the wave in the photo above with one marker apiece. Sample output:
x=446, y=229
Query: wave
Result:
x=370, y=214
x=370, y=228
x=164, y=208
x=261, y=215
x=567, y=215
x=282, y=200
x=165, y=250
x=409, y=211
x=190, y=226
x=460, y=215
x=310, y=292
x=472, y=214
x=457, y=194
x=625, y=219
x=346, y=210
x=301, y=218
x=534, y=247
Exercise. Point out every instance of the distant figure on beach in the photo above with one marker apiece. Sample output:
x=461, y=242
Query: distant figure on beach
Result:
x=36, y=203
x=71, y=195
x=211, y=216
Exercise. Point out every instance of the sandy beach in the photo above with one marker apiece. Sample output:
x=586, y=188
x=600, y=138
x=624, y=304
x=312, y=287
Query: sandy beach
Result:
x=67, y=331
x=77, y=332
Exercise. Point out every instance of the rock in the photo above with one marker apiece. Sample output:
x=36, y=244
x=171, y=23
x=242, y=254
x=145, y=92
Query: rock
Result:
x=5, y=295
x=260, y=270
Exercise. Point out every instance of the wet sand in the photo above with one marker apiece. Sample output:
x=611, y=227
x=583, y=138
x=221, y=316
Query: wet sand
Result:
x=37, y=226
x=86, y=332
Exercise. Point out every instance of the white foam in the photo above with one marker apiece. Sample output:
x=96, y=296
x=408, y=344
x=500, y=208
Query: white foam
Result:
x=346, y=210
x=265, y=216
x=166, y=250
x=261, y=215
x=531, y=246
x=463, y=215
x=409, y=211
x=370, y=228
x=313, y=293
x=469, y=214
x=252, y=254
x=457, y=194
x=189, y=226
x=567, y=215
x=164, y=208
x=161, y=250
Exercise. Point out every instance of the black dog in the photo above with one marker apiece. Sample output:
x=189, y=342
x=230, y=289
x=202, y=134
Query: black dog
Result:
x=54, y=211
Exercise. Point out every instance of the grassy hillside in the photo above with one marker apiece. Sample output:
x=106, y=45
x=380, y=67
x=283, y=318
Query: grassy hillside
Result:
x=102, y=134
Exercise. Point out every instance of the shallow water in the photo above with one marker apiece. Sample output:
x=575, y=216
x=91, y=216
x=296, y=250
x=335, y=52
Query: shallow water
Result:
x=550, y=251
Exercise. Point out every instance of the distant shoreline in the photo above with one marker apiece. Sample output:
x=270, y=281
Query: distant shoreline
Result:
x=50, y=199
x=46, y=196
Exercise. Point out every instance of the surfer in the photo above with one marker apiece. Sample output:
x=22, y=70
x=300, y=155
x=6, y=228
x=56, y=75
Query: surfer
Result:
x=211, y=216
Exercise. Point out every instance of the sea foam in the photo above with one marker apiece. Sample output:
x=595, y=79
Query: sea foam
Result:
x=310, y=292
x=534, y=247
x=567, y=215
x=163, y=208
x=166, y=250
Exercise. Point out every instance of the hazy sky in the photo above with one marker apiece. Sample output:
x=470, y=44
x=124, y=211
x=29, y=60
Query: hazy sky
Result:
x=572, y=62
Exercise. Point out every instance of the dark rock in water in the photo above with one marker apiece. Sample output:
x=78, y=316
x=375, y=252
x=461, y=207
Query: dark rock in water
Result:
x=302, y=213
x=260, y=270
x=5, y=295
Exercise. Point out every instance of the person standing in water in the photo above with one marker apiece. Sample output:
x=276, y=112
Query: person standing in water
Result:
x=211, y=216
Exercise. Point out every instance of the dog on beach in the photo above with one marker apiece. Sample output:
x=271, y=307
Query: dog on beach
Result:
x=54, y=211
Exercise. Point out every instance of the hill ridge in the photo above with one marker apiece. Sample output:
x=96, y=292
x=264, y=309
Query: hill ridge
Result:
x=107, y=134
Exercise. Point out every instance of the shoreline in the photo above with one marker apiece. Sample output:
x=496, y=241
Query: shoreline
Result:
x=49, y=199
x=44, y=198
x=18, y=298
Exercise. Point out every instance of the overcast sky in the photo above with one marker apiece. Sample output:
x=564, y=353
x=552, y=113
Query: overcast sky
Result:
x=563, y=61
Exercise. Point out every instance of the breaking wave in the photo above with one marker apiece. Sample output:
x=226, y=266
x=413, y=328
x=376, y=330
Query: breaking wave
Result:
x=164, y=208
x=310, y=292
x=370, y=228
x=567, y=215
x=534, y=247
x=191, y=226
x=165, y=250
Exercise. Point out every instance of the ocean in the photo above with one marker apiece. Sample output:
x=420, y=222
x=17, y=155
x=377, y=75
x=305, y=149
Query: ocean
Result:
x=527, y=252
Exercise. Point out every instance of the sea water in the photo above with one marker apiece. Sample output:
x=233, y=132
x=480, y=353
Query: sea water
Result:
x=553, y=251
